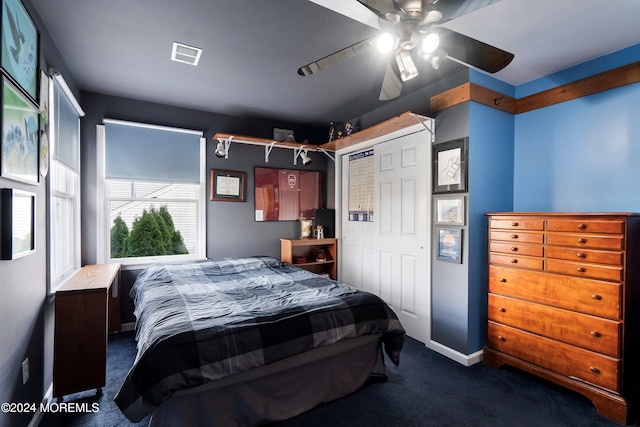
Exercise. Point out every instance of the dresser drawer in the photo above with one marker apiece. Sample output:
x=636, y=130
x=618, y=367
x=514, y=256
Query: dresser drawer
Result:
x=590, y=332
x=586, y=226
x=593, y=271
x=516, y=236
x=516, y=248
x=584, y=295
x=517, y=224
x=586, y=255
x=531, y=263
x=585, y=365
x=586, y=241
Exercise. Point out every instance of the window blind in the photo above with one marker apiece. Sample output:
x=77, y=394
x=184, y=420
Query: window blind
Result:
x=139, y=152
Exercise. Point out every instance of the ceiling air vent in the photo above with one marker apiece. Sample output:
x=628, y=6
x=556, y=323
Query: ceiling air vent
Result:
x=185, y=54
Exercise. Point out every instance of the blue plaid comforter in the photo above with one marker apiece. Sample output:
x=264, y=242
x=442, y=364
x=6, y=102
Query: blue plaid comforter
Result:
x=205, y=320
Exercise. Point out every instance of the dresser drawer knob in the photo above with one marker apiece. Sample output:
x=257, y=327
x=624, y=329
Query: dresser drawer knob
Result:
x=514, y=249
x=582, y=240
x=596, y=296
x=514, y=261
x=594, y=370
x=581, y=269
x=595, y=334
x=502, y=309
x=514, y=224
x=503, y=280
x=581, y=255
x=501, y=338
x=514, y=236
x=582, y=226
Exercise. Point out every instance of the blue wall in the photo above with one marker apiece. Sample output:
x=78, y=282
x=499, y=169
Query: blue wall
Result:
x=580, y=155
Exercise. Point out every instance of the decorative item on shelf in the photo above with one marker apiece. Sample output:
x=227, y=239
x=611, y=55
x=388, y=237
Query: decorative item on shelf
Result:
x=297, y=259
x=335, y=131
x=321, y=255
x=319, y=232
x=305, y=228
x=281, y=135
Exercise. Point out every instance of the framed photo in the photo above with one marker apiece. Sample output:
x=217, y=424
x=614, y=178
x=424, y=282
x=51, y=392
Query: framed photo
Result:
x=17, y=223
x=227, y=186
x=20, y=47
x=281, y=135
x=450, y=244
x=449, y=210
x=450, y=166
x=20, y=130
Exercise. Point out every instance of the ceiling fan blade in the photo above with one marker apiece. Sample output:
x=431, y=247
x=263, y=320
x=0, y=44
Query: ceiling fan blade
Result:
x=391, y=85
x=379, y=7
x=474, y=52
x=336, y=57
x=452, y=9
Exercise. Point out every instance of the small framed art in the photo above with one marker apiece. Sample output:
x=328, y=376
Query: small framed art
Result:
x=449, y=244
x=20, y=47
x=20, y=152
x=17, y=223
x=450, y=166
x=449, y=210
x=227, y=186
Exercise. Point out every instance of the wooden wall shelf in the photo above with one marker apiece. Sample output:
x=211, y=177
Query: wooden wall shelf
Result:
x=391, y=125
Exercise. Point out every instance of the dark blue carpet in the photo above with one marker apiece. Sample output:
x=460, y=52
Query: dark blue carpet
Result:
x=427, y=389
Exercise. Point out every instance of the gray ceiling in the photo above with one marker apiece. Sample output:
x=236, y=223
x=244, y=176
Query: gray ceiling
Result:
x=253, y=48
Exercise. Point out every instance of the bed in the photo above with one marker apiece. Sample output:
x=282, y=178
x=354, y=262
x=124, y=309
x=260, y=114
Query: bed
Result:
x=248, y=341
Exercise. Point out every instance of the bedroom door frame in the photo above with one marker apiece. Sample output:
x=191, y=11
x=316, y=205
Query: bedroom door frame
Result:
x=425, y=130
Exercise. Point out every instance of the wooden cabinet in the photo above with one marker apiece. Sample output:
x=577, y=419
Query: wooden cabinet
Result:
x=307, y=254
x=87, y=308
x=564, y=302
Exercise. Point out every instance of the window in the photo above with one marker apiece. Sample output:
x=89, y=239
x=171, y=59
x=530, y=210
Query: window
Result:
x=64, y=183
x=151, y=186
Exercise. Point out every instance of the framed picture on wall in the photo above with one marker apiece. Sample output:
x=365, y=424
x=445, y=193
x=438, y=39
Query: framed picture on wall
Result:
x=20, y=47
x=17, y=227
x=449, y=244
x=449, y=210
x=20, y=153
x=227, y=186
x=450, y=166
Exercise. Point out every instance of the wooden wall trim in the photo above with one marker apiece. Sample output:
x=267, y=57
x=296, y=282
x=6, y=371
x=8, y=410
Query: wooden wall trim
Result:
x=588, y=86
x=607, y=80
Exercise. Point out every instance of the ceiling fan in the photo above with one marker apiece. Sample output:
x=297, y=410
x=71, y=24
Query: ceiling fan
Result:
x=410, y=30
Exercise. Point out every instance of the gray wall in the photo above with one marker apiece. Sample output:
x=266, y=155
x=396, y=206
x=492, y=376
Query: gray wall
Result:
x=26, y=314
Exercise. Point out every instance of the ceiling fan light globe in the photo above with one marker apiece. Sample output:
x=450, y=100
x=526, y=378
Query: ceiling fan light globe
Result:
x=385, y=42
x=430, y=43
x=406, y=66
x=437, y=58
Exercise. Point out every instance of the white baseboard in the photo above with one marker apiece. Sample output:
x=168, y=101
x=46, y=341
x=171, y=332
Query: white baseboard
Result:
x=463, y=359
x=37, y=417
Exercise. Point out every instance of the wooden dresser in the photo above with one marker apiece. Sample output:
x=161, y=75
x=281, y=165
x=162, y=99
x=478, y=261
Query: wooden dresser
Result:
x=563, y=302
